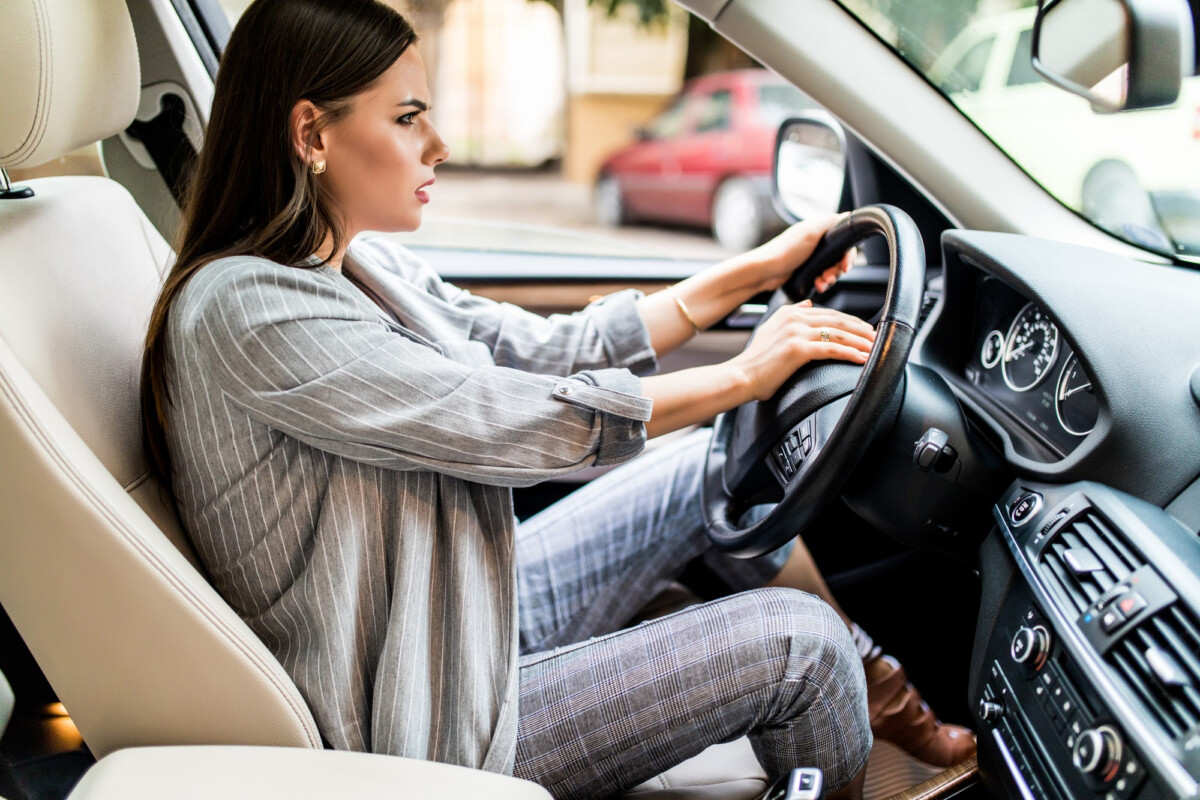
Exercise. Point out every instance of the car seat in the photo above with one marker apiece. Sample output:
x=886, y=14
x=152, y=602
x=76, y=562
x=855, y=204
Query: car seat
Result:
x=95, y=570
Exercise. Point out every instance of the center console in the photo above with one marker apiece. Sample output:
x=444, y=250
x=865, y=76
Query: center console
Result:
x=1086, y=669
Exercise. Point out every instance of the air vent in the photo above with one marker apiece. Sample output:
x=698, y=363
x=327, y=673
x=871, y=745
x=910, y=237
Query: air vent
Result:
x=1160, y=661
x=1084, y=560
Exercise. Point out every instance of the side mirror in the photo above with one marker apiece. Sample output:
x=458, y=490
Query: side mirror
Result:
x=1118, y=54
x=810, y=167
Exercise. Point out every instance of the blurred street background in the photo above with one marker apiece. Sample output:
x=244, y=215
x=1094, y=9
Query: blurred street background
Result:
x=628, y=120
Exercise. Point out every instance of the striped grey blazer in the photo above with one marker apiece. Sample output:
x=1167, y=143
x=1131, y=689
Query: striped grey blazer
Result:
x=344, y=473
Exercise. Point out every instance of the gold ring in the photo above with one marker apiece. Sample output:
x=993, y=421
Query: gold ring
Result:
x=824, y=334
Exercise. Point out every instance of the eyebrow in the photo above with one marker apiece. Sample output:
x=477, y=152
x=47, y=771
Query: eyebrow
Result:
x=420, y=105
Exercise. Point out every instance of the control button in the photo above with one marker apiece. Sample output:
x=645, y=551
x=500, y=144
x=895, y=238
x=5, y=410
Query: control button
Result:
x=1097, y=753
x=1130, y=776
x=807, y=445
x=1049, y=705
x=1111, y=619
x=1049, y=679
x=1030, y=646
x=1112, y=594
x=1131, y=604
x=1024, y=508
x=927, y=449
x=1057, y=518
x=990, y=711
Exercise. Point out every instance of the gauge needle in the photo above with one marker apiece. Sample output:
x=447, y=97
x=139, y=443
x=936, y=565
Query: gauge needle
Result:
x=1016, y=352
x=1065, y=393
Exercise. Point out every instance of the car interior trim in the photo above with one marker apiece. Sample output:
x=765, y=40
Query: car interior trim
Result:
x=1067, y=633
x=1081, y=294
x=1013, y=771
x=1186, y=507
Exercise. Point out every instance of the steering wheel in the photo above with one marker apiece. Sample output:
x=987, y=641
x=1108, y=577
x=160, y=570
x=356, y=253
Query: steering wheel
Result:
x=811, y=435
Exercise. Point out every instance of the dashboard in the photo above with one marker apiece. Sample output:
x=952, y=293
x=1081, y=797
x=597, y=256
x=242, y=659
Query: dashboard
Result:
x=1080, y=370
x=1026, y=366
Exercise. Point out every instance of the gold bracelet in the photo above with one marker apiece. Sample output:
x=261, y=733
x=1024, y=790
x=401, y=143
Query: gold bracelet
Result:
x=684, y=310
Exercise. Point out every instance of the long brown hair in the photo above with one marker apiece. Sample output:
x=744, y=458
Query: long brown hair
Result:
x=250, y=192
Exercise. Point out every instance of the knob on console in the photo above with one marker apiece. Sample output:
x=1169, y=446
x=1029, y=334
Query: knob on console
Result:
x=990, y=711
x=1098, y=753
x=1030, y=646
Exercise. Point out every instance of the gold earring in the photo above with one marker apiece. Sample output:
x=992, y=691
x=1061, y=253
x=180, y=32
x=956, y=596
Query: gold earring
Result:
x=318, y=166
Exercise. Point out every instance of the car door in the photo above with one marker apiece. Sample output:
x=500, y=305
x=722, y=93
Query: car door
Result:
x=648, y=168
x=705, y=154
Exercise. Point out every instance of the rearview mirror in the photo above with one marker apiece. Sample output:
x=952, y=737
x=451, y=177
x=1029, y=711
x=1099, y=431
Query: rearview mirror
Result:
x=810, y=167
x=1118, y=54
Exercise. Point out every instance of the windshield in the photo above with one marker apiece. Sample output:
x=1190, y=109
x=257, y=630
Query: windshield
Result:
x=1135, y=174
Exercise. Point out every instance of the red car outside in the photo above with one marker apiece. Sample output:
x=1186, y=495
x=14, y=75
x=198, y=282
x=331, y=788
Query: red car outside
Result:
x=705, y=160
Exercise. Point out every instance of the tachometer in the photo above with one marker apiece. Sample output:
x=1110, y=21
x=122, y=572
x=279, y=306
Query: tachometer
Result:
x=1075, y=400
x=993, y=348
x=1029, y=350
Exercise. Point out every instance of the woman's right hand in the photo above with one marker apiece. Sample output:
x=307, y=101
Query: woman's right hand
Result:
x=791, y=338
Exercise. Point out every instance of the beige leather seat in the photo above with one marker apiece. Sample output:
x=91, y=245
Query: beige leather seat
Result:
x=94, y=569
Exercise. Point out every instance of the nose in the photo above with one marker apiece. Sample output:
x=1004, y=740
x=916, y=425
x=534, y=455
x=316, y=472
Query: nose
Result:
x=437, y=151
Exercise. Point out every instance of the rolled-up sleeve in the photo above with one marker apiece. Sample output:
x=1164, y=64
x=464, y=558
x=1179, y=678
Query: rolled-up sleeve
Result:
x=616, y=394
x=286, y=348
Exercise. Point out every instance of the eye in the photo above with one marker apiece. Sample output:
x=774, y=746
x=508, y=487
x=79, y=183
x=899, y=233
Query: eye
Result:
x=409, y=119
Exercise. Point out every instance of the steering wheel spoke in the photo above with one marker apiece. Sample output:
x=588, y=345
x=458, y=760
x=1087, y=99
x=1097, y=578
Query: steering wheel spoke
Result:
x=840, y=409
x=797, y=451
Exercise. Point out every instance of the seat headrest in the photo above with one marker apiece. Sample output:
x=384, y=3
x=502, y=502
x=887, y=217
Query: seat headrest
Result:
x=68, y=76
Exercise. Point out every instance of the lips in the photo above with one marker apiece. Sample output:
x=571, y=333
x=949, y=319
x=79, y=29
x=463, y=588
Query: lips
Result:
x=424, y=196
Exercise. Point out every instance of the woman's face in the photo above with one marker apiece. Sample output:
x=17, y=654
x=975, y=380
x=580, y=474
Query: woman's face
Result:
x=380, y=156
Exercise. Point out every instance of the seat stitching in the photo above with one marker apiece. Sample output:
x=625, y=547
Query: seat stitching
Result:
x=138, y=481
x=48, y=58
x=33, y=137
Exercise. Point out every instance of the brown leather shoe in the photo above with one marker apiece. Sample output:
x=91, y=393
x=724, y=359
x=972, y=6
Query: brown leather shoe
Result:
x=898, y=715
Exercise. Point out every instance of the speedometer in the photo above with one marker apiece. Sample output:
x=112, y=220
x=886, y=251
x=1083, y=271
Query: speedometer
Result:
x=1075, y=400
x=1029, y=350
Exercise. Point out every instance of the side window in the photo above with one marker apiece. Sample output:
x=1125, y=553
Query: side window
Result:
x=669, y=123
x=967, y=75
x=1021, y=72
x=714, y=112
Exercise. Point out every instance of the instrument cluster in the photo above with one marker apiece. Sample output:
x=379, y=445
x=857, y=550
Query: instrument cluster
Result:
x=1020, y=359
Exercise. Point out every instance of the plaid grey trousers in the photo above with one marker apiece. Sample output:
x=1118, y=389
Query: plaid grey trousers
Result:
x=603, y=709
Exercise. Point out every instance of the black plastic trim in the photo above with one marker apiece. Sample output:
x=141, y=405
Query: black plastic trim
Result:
x=1128, y=515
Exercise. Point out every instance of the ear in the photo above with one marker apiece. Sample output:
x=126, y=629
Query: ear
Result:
x=306, y=138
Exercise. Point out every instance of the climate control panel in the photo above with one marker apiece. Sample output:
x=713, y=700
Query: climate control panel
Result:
x=1087, y=667
x=1058, y=736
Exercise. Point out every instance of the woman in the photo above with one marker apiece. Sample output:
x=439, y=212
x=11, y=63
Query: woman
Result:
x=342, y=430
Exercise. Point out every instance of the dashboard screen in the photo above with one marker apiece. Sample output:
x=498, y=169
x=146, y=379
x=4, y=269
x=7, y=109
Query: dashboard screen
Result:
x=1020, y=359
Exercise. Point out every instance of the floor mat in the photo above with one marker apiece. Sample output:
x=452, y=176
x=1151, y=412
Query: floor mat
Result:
x=890, y=770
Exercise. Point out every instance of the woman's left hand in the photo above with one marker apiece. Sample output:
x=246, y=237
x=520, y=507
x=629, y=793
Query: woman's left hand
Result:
x=782, y=255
